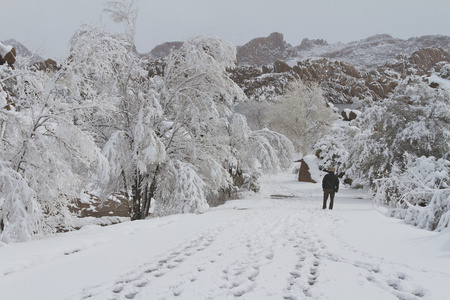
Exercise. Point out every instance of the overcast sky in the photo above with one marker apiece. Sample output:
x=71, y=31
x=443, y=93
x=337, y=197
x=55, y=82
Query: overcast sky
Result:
x=47, y=25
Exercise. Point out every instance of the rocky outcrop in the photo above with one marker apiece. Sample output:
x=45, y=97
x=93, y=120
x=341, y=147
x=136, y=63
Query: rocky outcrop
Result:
x=340, y=80
x=371, y=52
x=48, y=65
x=7, y=57
x=264, y=50
x=281, y=67
x=164, y=49
x=427, y=58
x=91, y=206
x=258, y=84
x=308, y=44
x=376, y=50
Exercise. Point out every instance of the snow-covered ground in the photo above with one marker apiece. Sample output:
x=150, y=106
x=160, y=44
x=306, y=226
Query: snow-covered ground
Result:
x=254, y=248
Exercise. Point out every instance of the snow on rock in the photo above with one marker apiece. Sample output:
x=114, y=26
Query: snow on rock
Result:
x=4, y=49
x=7, y=54
x=350, y=114
x=443, y=82
x=312, y=162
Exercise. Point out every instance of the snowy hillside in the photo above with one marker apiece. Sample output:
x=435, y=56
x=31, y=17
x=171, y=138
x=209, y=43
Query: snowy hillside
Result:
x=369, y=68
x=373, y=51
x=370, y=52
x=253, y=248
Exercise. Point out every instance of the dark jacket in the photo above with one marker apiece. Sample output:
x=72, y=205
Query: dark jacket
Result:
x=330, y=182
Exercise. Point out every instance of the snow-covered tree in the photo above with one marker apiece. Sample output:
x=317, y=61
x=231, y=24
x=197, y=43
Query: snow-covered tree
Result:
x=46, y=158
x=301, y=114
x=164, y=137
x=332, y=149
x=180, y=190
x=109, y=73
x=197, y=101
x=204, y=134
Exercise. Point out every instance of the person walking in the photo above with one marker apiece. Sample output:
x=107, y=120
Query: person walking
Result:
x=330, y=186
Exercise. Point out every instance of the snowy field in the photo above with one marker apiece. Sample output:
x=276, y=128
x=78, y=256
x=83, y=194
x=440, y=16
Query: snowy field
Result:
x=254, y=248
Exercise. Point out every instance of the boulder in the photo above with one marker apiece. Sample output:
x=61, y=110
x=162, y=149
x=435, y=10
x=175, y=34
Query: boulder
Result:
x=281, y=67
x=7, y=55
x=91, y=206
x=304, y=174
x=349, y=114
x=427, y=58
x=48, y=65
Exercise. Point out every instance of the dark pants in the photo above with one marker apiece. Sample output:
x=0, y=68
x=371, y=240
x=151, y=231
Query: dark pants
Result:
x=331, y=193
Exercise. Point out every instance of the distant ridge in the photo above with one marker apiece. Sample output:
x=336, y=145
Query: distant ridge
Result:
x=371, y=67
x=370, y=52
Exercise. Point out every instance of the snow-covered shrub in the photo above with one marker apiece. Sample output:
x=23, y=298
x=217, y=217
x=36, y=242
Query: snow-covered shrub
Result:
x=445, y=71
x=331, y=149
x=419, y=192
x=416, y=120
x=250, y=182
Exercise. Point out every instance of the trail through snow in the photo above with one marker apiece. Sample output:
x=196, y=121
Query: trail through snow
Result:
x=253, y=248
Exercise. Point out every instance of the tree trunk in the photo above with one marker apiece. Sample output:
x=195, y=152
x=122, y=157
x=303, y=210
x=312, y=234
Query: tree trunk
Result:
x=136, y=198
x=150, y=193
x=145, y=203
